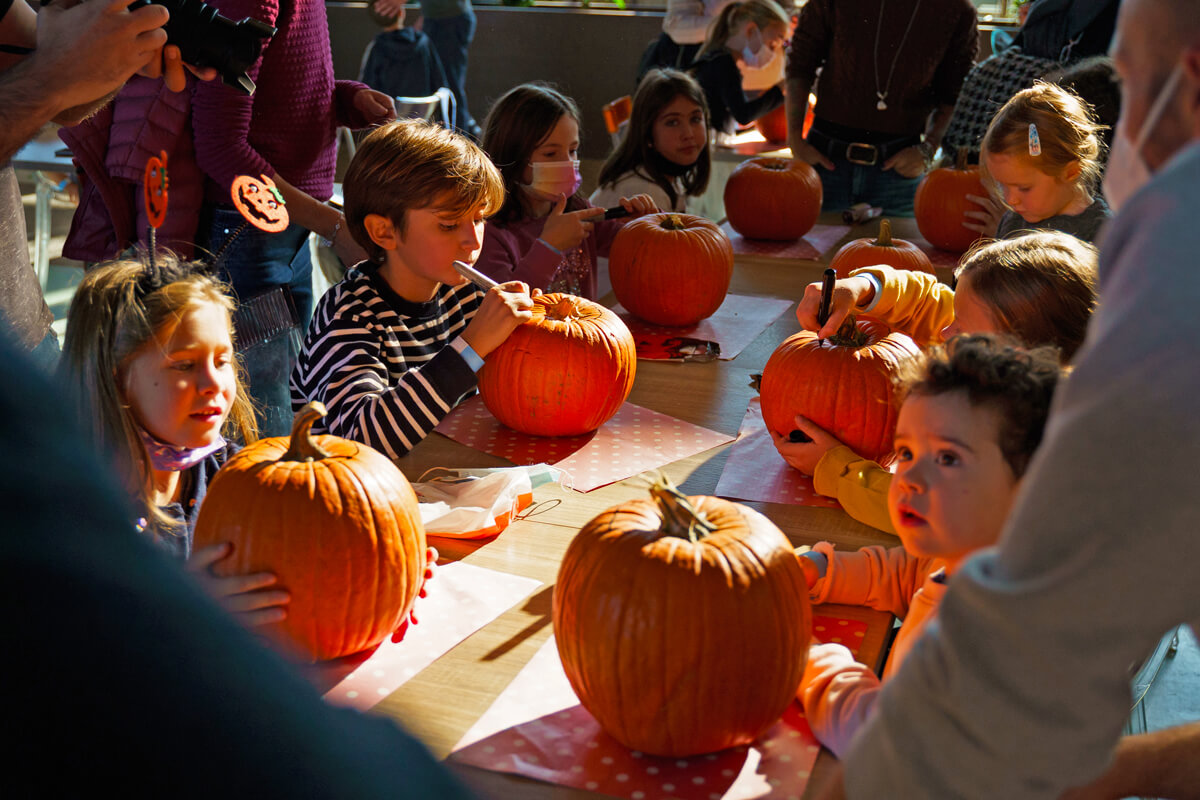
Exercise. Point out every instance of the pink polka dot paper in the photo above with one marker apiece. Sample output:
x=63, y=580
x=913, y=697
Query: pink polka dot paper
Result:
x=939, y=258
x=817, y=241
x=634, y=440
x=756, y=471
x=736, y=324
x=537, y=729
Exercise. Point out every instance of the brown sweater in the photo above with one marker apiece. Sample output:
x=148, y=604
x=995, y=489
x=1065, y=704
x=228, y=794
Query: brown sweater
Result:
x=930, y=67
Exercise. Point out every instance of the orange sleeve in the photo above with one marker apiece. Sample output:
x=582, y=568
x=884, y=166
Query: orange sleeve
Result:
x=883, y=578
x=837, y=693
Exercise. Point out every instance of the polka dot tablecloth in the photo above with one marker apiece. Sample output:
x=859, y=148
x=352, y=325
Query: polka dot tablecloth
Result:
x=736, y=324
x=939, y=258
x=537, y=729
x=756, y=471
x=461, y=599
x=633, y=441
x=817, y=241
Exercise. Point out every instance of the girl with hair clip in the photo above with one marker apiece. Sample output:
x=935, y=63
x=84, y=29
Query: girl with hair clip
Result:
x=1039, y=289
x=664, y=152
x=1041, y=158
x=150, y=362
x=545, y=234
x=750, y=32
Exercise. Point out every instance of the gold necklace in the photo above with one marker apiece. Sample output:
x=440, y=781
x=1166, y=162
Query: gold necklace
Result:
x=882, y=95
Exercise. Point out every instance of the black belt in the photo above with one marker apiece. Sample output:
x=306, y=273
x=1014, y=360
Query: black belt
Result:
x=858, y=152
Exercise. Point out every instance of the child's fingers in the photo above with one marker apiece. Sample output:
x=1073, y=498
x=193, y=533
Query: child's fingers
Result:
x=256, y=601
x=813, y=430
x=205, y=557
x=264, y=616
x=837, y=315
x=240, y=584
x=559, y=205
x=986, y=202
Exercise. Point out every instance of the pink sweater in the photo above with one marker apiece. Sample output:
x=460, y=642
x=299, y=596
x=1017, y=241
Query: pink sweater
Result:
x=289, y=125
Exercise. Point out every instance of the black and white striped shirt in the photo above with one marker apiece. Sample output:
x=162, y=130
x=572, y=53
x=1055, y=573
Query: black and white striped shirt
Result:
x=382, y=365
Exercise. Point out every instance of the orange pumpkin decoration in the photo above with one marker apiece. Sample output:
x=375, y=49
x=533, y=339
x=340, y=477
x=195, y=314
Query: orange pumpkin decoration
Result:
x=843, y=384
x=671, y=269
x=154, y=189
x=338, y=524
x=682, y=623
x=564, y=372
x=941, y=201
x=259, y=201
x=881, y=250
x=773, y=125
x=773, y=198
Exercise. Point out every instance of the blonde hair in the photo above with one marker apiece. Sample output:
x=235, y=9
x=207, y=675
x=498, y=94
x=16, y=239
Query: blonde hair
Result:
x=117, y=310
x=1040, y=287
x=411, y=164
x=763, y=13
x=1066, y=129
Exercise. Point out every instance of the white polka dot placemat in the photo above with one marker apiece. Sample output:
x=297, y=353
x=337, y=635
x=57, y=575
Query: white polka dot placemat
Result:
x=939, y=258
x=536, y=728
x=756, y=471
x=737, y=323
x=461, y=599
x=634, y=440
x=810, y=247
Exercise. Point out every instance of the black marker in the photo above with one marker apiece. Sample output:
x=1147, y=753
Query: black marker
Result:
x=826, y=298
x=616, y=212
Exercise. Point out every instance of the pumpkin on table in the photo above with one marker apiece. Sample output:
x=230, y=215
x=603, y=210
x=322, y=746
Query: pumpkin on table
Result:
x=338, y=524
x=883, y=249
x=773, y=125
x=844, y=384
x=941, y=201
x=671, y=269
x=564, y=372
x=682, y=623
x=773, y=198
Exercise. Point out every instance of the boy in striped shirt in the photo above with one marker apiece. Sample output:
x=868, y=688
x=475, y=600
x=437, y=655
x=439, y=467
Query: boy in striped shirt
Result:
x=396, y=344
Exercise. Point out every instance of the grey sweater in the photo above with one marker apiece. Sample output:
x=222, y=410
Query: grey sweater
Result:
x=1085, y=225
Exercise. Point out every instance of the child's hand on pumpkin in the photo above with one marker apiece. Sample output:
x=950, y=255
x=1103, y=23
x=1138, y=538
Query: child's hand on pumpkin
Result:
x=566, y=230
x=807, y=452
x=639, y=205
x=987, y=219
x=503, y=309
x=243, y=595
x=431, y=557
x=849, y=294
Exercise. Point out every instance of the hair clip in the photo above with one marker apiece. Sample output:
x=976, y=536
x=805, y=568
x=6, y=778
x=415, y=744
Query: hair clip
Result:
x=1035, y=141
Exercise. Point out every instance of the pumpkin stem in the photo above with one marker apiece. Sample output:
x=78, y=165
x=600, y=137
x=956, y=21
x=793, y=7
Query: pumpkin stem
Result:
x=960, y=160
x=673, y=222
x=680, y=517
x=563, y=309
x=303, y=447
x=848, y=335
x=885, y=234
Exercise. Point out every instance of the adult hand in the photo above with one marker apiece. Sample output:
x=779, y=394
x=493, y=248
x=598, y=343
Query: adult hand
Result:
x=987, y=220
x=803, y=151
x=243, y=595
x=908, y=163
x=805, y=456
x=347, y=249
x=639, y=205
x=848, y=295
x=375, y=106
x=171, y=68
x=565, y=231
x=834, y=785
x=389, y=8
x=502, y=310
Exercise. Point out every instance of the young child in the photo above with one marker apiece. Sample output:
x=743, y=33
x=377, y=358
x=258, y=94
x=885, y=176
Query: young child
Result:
x=750, y=32
x=150, y=363
x=1041, y=157
x=664, y=152
x=396, y=344
x=972, y=417
x=1039, y=288
x=400, y=61
x=544, y=234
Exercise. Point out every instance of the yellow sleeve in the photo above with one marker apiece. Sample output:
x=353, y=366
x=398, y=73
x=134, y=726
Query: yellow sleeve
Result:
x=861, y=486
x=882, y=578
x=911, y=302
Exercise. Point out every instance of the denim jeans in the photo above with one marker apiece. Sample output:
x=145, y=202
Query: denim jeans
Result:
x=848, y=184
x=451, y=38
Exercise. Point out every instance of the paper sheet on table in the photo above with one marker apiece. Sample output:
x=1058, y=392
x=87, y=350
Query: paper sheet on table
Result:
x=756, y=471
x=536, y=728
x=634, y=440
x=737, y=323
x=461, y=599
x=810, y=247
x=942, y=259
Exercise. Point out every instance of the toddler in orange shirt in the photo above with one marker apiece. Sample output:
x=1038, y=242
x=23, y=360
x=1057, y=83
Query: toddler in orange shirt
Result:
x=972, y=415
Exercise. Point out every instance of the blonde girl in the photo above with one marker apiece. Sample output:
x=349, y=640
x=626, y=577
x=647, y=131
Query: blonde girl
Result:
x=1041, y=157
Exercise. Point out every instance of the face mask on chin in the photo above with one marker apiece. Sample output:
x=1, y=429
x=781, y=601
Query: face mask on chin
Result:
x=1127, y=171
x=757, y=58
x=552, y=178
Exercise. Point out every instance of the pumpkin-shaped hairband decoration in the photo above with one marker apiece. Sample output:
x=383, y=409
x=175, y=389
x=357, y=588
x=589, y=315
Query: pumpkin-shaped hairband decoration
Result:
x=154, y=189
x=260, y=203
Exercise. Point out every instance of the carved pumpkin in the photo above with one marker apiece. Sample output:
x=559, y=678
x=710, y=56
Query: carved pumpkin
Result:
x=564, y=372
x=773, y=198
x=260, y=202
x=773, y=125
x=682, y=623
x=844, y=384
x=671, y=269
x=882, y=250
x=941, y=201
x=338, y=524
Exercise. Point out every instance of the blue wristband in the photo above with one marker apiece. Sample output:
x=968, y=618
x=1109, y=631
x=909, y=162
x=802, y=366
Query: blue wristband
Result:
x=819, y=561
x=468, y=353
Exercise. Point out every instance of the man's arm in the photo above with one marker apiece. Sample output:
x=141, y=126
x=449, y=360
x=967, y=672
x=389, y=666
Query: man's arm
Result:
x=1164, y=763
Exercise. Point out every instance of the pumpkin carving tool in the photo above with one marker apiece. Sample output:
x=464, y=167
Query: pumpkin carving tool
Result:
x=828, y=280
x=474, y=276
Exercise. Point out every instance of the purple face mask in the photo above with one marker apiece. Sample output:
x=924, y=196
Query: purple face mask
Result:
x=166, y=457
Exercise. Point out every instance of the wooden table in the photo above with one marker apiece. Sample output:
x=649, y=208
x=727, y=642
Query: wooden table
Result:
x=444, y=700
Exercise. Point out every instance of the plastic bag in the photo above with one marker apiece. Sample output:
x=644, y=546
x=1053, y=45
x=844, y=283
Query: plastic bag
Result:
x=478, y=503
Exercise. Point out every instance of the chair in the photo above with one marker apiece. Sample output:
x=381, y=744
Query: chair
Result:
x=616, y=117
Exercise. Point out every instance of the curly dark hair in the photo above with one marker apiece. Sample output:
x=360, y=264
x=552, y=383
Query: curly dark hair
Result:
x=995, y=372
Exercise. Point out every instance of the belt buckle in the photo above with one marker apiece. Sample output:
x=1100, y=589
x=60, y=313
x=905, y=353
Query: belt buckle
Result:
x=868, y=160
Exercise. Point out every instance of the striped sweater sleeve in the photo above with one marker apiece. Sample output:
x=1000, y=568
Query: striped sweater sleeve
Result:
x=384, y=383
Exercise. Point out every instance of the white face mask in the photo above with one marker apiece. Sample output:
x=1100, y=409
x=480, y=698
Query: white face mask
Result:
x=759, y=57
x=1127, y=171
x=556, y=177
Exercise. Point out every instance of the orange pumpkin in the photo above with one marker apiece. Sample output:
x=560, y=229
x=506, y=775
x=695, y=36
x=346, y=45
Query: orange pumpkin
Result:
x=682, y=623
x=564, y=372
x=338, y=524
x=882, y=250
x=259, y=201
x=671, y=269
x=941, y=201
x=773, y=198
x=773, y=125
x=843, y=384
